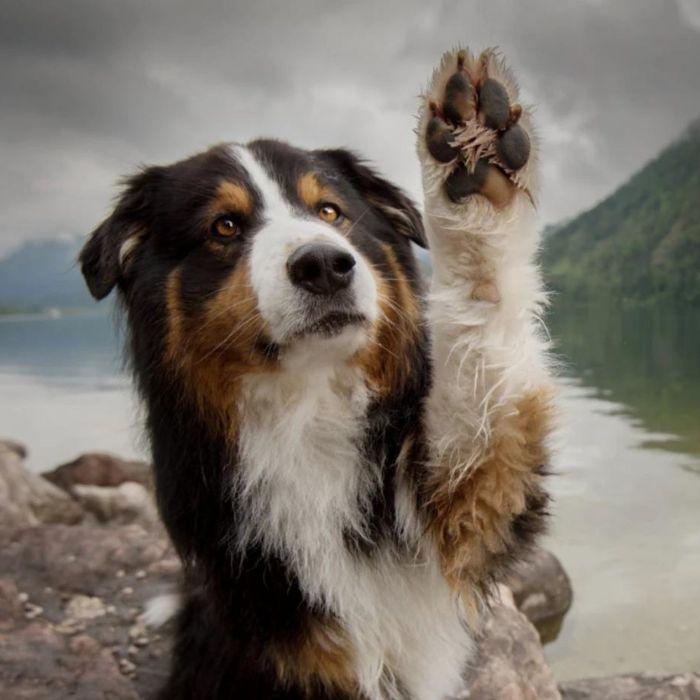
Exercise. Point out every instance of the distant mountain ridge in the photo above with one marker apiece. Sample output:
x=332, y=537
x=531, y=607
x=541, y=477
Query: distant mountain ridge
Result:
x=643, y=241
x=42, y=274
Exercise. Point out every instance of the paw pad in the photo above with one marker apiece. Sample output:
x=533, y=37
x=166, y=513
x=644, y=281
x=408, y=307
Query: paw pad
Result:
x=462, y=182
x=494, y=104
x=513, y=147
x=474, y=125
x=438, y=136
x=485, y=179
x=460, y=101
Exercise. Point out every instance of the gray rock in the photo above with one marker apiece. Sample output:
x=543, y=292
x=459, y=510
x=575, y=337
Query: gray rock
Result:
x=99, y=469
x=127, y=503
x=635, y=686
x=509, y=664
x=86, y=587
x=71, y=600
x=17, y=447
x=41, y=662
x=27, y=499
x=542, y=592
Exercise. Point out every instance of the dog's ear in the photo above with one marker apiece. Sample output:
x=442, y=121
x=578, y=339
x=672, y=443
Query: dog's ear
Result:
x=387, y=199
x=104, y=258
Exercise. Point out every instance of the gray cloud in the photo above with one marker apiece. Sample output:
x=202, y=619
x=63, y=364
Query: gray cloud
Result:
x=90, y=90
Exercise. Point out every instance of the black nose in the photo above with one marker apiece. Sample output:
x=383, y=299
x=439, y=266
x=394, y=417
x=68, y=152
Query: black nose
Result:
x=321, y=268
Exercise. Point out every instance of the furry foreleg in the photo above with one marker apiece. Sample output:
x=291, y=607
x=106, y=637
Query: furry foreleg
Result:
x=489, y=411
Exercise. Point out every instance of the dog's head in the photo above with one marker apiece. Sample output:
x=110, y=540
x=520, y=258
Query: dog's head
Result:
x=244, y=258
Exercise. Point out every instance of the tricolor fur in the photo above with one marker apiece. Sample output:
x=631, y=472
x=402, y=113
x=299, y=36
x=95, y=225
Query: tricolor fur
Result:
x=344, y=463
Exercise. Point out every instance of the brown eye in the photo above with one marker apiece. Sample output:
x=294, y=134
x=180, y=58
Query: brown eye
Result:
x=225, y=227
x=329, y=212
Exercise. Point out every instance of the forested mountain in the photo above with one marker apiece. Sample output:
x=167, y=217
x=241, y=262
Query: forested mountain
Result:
x=643, y=241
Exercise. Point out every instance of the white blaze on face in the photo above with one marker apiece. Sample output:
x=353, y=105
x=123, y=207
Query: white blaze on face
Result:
x=286, y=308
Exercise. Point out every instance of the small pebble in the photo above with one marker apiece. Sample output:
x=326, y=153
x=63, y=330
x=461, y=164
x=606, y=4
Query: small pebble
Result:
x=85, y=607
x=31, y=611
x=83, y=644
x=70, y=626
x=138, y=633
x=127, y=667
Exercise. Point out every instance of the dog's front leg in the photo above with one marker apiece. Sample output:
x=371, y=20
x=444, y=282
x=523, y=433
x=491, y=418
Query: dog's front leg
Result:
x=488, y=413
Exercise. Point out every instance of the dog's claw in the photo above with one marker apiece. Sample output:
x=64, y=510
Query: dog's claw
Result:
x=516, y=111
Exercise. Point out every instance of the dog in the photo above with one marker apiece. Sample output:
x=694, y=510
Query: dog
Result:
x=345, y=462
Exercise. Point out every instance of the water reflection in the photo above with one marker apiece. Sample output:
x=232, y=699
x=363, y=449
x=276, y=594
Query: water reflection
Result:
x=645, y=358
x=626, y=522
x=63, y=391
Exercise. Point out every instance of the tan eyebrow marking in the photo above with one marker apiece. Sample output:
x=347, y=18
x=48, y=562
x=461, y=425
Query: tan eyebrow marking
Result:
x=233, y=198
x=312, y=192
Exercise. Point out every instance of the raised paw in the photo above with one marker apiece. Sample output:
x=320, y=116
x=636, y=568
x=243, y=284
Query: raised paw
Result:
x=475, y=131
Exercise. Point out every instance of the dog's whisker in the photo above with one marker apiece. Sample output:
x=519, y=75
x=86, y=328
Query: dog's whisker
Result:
x=237, y=330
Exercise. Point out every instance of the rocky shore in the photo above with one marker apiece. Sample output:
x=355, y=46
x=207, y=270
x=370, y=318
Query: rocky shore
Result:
x=82, y=551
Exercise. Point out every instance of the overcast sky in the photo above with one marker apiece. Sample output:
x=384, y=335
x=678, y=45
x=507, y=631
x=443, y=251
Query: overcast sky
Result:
x=92, y=88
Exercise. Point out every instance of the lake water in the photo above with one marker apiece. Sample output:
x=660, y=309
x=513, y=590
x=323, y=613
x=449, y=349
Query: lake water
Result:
x=627, y=486
x=627, y=491
x=63, y=391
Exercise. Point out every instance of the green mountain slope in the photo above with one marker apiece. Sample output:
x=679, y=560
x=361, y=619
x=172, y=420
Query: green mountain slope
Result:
x=642, y=242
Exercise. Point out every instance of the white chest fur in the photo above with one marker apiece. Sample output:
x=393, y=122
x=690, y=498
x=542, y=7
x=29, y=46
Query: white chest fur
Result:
x=303, y=483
